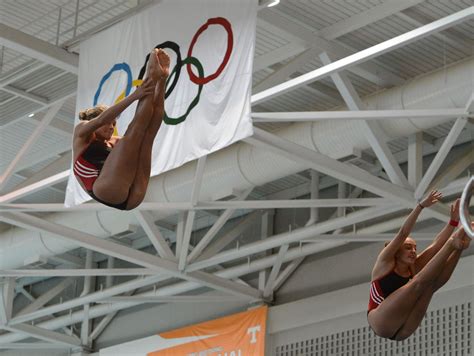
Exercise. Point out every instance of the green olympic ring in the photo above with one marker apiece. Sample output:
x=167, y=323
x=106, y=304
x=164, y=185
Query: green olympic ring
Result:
x=176, y=120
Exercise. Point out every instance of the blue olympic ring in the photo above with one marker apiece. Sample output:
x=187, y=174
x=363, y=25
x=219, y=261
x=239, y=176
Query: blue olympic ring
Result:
x=119, y=66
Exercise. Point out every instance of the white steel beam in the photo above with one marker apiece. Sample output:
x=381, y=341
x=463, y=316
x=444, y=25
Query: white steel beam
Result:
x=39, y=49
x=46, y=335
x=373, y=132
x=233, y=205
x=341, y=171
x=175, y=299
x=30, y=142
x=78, y=272
x=270, y=286
x=25, y=95
x=365, y=54
x=303, y=116
x=154, y=234
x=440, y=156
x=46, y=297
x=211, y=233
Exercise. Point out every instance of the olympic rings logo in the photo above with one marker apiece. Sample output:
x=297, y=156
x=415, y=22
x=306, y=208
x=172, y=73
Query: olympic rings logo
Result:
x=200, y=79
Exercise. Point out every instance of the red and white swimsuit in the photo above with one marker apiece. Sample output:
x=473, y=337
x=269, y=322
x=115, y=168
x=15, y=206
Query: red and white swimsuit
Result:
x=88, y=165
x=381, y=288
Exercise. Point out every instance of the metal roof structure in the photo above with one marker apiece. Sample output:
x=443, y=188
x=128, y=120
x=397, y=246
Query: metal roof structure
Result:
x=293, y=82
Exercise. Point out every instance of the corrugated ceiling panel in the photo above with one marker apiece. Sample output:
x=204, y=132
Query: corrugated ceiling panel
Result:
x=59, y=87
x=16, y=108
x=37, y=77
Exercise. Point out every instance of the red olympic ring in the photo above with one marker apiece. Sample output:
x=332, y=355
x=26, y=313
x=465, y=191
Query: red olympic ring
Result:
x=230, y=43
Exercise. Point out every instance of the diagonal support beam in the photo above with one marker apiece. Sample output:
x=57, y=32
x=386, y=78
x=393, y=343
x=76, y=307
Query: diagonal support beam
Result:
x=45, y=335
x=183, y=253
x=230, y=236
x=212, y=232
x=365, y=55
x=46, y=297
x=30, y=142
x=7, y=295
x=154, y=234
x=448, y=143
x=454, y=170
x=269, y=287
x=373, y=131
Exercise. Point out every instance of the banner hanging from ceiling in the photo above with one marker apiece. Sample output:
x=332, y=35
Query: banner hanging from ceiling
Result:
x=241, y=334
x=207, y=100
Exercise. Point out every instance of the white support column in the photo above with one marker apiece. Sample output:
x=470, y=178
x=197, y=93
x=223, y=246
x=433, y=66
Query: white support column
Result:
x=46, y=297
x=415, y=158
x=7, y=294
x=365, y=54
x=373, y=131
x=314, y=194
x=270, y=286
x=46, y=335
x=341, y=193
x=109, y=280
x=440, y=156
x=154, y=234
x=30, y=142
x=211, y=233
x=266, y=230
x=180, y=232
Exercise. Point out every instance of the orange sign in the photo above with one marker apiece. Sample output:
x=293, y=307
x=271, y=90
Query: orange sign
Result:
x=241, y=334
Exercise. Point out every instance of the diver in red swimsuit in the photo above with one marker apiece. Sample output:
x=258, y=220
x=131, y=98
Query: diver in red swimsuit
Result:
x=404, y=282
x=115, y=170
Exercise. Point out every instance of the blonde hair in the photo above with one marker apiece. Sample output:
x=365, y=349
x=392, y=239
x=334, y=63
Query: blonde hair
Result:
x=92, y=113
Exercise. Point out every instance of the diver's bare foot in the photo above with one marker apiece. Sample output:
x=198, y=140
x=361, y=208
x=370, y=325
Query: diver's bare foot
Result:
x=163, y=64
x=153, y=70
x=460, y=240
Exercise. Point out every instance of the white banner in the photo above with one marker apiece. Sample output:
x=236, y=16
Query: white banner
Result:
x=211, y=45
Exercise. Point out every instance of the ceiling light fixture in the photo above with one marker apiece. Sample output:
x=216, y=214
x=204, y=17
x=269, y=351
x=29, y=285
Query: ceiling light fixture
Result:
x=273, y=3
